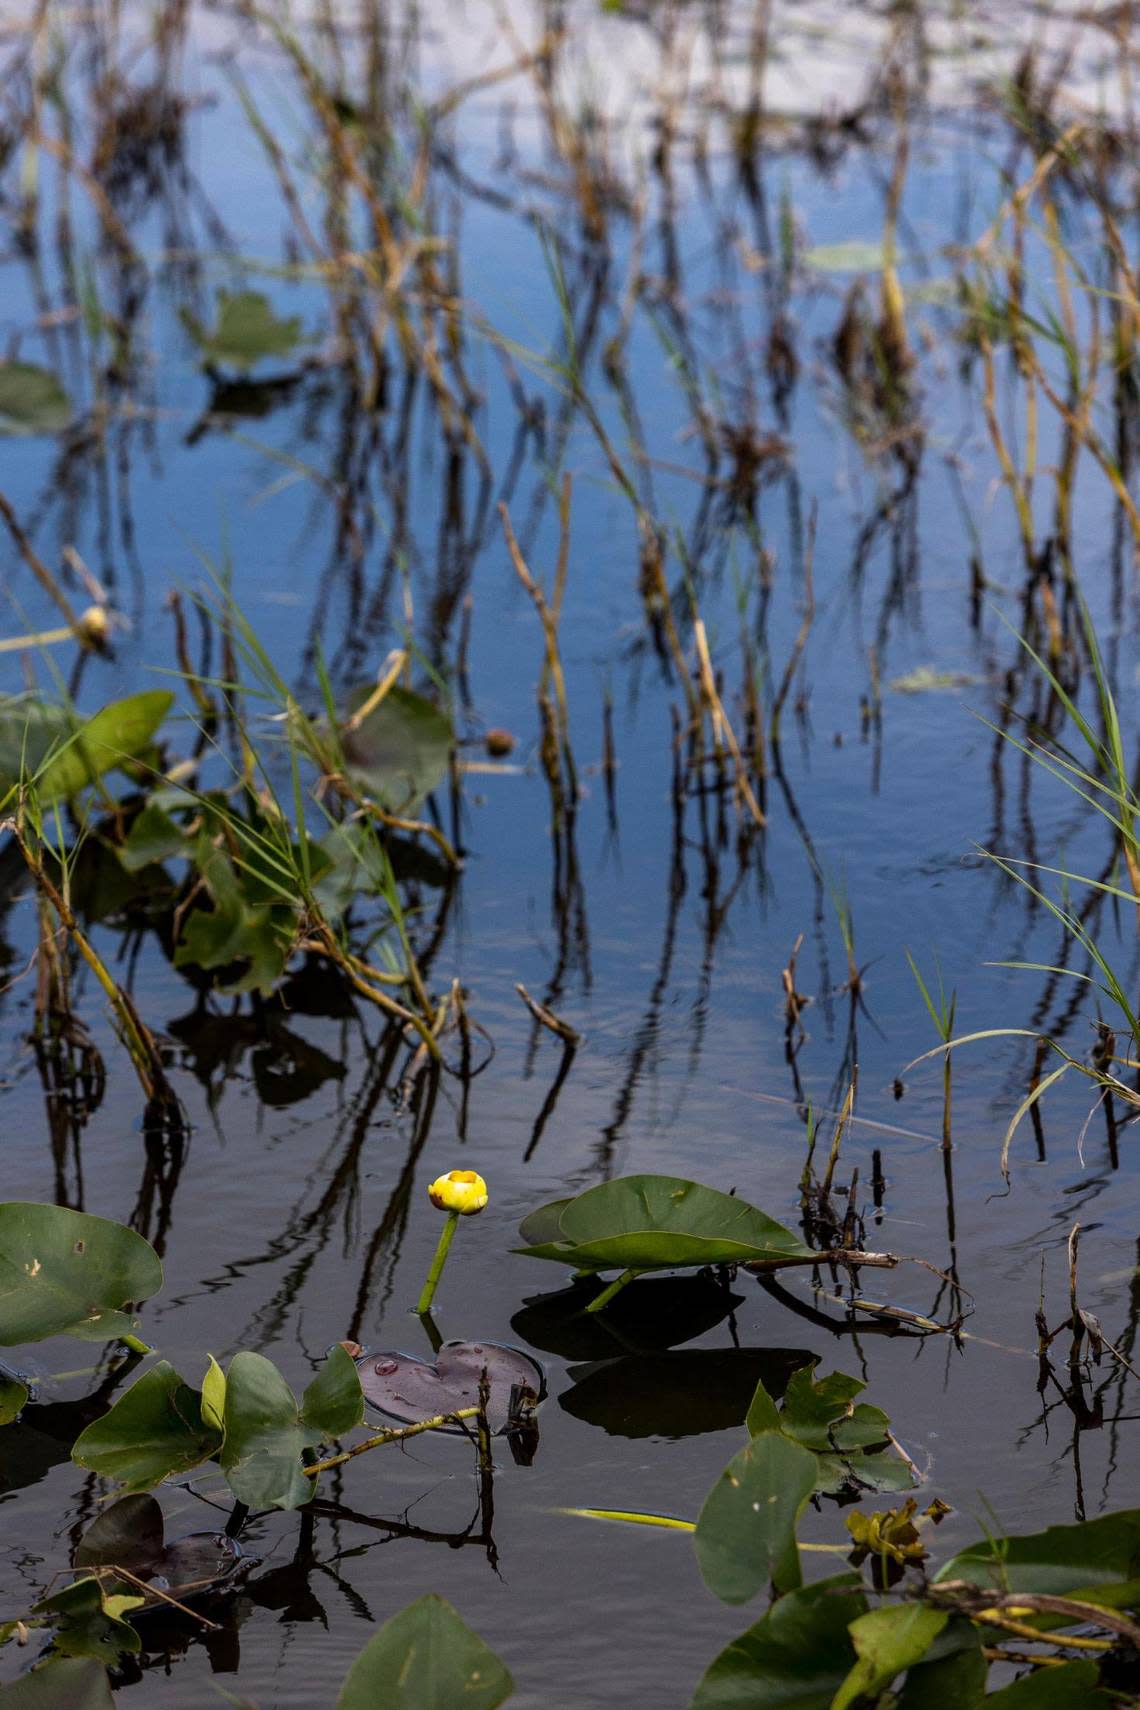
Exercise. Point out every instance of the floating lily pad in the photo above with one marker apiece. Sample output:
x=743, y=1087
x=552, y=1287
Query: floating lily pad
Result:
x=245, y=331
x=650, y=1223
x=131, y=1535
x=425, y=1658
x=64, y=1683
x=398, y=754
x=32, y=400
x=66, y=1273
x=409, y=1390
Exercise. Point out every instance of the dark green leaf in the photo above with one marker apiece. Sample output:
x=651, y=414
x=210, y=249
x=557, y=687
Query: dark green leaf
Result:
x=120, y=731
x=152, y=1431
x=64, y=753
x=32, y=400
x=88, y=1621
x=245, y=332
x=13, y=1399
x=425, y=1658
x=746, y=1533
x=399, y=752
x=153, y=837
x=1072, y=1687
x=1062, y=1560
x=953, y=1682
x=65, y=1684
x=887, y=1641
x=795, y=1658
x=266, y=1430
x=66, y=1273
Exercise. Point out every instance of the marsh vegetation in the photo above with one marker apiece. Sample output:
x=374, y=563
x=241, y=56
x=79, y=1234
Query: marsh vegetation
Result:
x=569, y=636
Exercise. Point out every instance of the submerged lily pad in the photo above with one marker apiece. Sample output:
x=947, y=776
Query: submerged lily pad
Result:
x=131, y=1535
x=64, y=1683
x=410, y=1390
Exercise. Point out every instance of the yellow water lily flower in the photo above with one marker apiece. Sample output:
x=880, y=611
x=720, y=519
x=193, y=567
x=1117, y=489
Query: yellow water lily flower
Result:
x=459, y=1190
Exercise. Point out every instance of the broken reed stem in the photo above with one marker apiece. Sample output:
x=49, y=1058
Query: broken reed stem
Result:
x=547, y=1018
x=396, y=1436
x=390, y=675
x=37, y=566
x=850, y=1256
x=137, y=1036
x=837, y=1139
x=549, y=614
x=352, y=966
x=719, y=719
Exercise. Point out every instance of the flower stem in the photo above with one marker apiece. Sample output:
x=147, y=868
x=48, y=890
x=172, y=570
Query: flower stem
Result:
x=447, y=1235
x=439, y=1423
x=135, y=1344
x=613, y=1288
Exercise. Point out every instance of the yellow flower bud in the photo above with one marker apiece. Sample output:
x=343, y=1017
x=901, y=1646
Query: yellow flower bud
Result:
x=459, y=1190
x=94, y=626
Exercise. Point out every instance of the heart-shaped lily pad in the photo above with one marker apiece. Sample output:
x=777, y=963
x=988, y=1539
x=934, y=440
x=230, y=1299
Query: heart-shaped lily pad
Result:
x=131, y=1535
x=410, y=1390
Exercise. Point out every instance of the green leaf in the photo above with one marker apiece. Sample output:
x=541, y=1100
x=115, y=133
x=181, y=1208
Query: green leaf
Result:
x=425, y=1658
x=1053, y=1689
x=746, y=1533
x=32, y=400
x=64, y=753
x=119, y=731
x=66, y=1273
x=64, y=1684
x=399, y=752
x=795, y=1658
x=649, y=1222
x=153, y=838
x=13, y=1399
x=1063, y=1560
x=245, y=331
x=152, y=1431
x=763, y=1414
x=88, y=1622
x=887, y=1641
x=266, y=1431
x=953, y=1682
x=214, y=1395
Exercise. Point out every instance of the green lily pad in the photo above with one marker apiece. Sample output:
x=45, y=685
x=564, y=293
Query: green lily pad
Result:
x=155, y=1429
x=796, y=1657
x=887, y=1642
x=399, y=752
x=655, y=1223
x=245, y=331
x=13, y=1399
x=64, y=753
x=88, y=1621
x=426, y=1658
x=66, y=1273
x=746, y=1532
x=266, y=1430
x=1061, y=1561
x=32, y=400
x=65, y=1683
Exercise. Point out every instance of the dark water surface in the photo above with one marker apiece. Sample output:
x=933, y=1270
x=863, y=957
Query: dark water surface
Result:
x=298, y=1214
